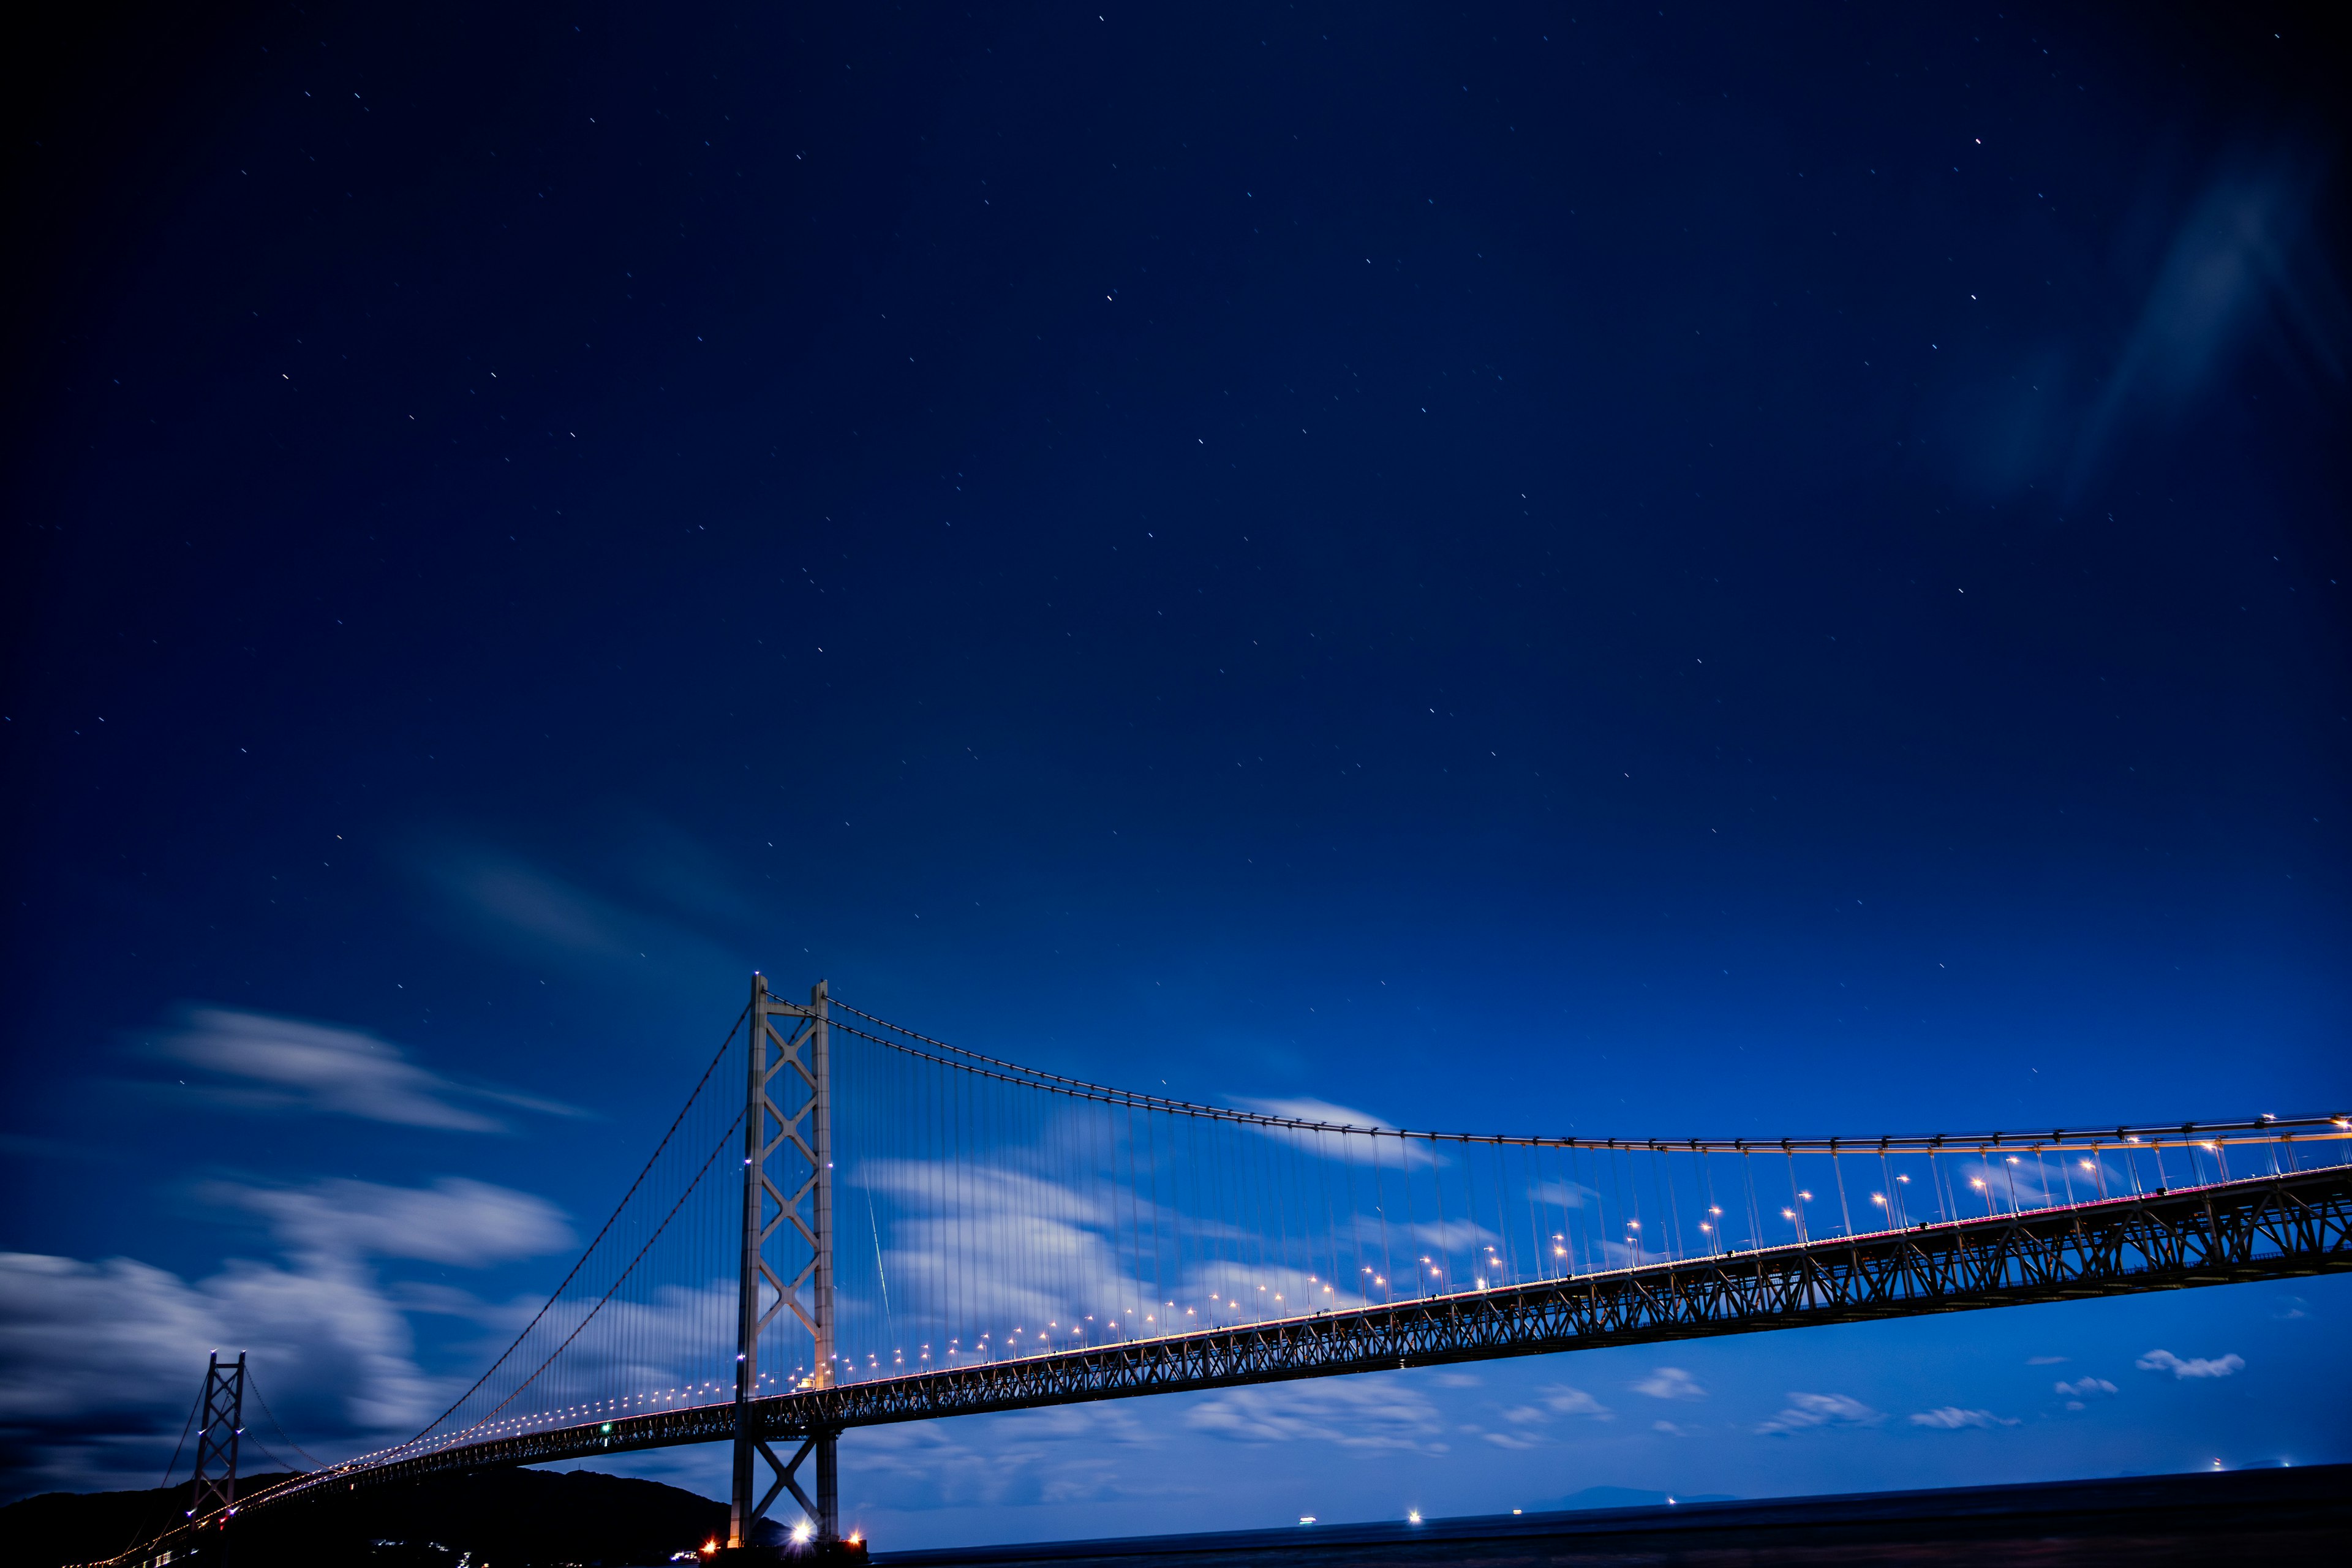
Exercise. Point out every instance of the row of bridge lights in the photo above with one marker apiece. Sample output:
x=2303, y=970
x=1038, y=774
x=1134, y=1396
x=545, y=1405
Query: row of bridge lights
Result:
x=1710, y=1226
x=1076, y=1332
x=689, y=1395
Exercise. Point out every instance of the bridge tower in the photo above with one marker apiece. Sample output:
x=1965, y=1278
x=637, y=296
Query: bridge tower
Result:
x=800, y=1051
x=213, y=1488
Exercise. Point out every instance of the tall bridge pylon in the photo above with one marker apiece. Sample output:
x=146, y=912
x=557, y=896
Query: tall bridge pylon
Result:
x=212, y=1491
x=801, y=1138
x=916, y=1230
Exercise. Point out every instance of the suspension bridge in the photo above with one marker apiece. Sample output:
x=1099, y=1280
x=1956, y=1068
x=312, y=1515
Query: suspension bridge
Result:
x=849, y=1224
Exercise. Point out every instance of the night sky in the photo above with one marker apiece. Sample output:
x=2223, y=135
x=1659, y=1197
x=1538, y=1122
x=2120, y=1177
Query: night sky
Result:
x=1592, y=569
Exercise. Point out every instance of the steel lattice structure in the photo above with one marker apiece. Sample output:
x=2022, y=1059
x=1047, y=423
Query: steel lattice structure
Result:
x=2269, y=1227
x=1580, y=1244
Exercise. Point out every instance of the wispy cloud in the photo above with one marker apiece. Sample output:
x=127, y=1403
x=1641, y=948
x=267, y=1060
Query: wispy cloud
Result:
x=530, y=911
x=1563, y=1195
x=1952, y=1418
x=1344, y=1412
x=1670, y=1383
x=1556, y=1400
x=2084, y=1388
x=2243, y=271
x=453, y=1221
x=1560, y=1399
x=268, y=1063
x=1393, y=1154
x=1315, y=1111
x=1514, y=1441
x=512, y=893
x=2165, y=1361
x=923, y=1228
x=1069, y=1455
x=98, y=1360
x=1810, y=1410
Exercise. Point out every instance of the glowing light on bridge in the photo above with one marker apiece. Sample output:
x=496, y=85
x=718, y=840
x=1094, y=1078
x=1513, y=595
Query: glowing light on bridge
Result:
x=985, y=1193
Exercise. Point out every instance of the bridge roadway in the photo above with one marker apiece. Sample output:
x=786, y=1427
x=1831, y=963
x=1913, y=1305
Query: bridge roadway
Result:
x=2263, y=1227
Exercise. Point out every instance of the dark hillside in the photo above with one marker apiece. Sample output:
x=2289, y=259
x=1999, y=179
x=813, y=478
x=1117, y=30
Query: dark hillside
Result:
x=502, y=1518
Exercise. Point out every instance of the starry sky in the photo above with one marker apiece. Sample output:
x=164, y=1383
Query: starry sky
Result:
x=1646, y=572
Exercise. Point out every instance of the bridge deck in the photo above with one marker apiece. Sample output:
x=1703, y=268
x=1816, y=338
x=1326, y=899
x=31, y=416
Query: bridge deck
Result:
x=2265, y=1227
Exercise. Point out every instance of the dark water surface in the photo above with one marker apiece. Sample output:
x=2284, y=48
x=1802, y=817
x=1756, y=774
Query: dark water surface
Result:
x=2273, y=1517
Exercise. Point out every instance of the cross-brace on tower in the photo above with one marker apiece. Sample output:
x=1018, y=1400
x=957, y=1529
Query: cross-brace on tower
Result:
x=800, y=1050
x=214, y=1486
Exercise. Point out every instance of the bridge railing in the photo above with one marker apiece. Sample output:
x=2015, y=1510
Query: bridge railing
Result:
x=977, y=1213
x=1577, y=1219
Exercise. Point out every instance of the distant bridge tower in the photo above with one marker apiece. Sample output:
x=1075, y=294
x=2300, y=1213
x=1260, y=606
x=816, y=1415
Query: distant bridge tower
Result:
x=213, y=1487
x=804, y=1139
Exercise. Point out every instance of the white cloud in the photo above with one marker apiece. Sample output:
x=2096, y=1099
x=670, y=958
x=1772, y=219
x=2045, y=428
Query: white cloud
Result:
x=1390, y=1153
x=1371, y=1415
x=1670, y=1383
x=996, y=1211
x=453, y=1221
x=99, y=1361
x=1563, y=1195
x=1562, y=1400
x=1314, y=1110
x=1669, y=1429
x=2084, y=1388
x=2165, y=1361
x=1078, y=1239
x=288, y=1064
x=1446, y=1237
x=1512, y=1440
x=1066, y=1455
x=1807, y=1410
x=1559, y=1399
x=1952, y=1418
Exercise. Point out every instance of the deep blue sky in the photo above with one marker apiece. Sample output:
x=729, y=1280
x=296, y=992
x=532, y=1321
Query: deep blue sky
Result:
x=1586, y=568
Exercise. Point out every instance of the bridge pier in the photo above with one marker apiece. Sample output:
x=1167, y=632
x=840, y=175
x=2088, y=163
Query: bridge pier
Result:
x=825, y=1542
x=827, y=1513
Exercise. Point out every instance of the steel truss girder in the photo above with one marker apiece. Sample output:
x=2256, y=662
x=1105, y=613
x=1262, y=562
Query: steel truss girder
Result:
x=2267, y=1227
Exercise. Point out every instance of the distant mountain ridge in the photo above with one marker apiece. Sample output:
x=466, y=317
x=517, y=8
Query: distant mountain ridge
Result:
x=1632, y=1496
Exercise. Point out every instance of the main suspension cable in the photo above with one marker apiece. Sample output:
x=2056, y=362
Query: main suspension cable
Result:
x=2184, y=1132
x=590, y=1250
